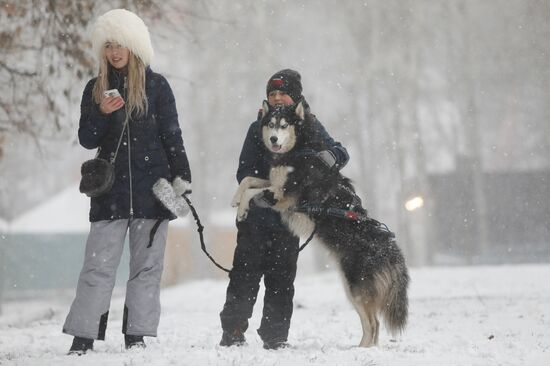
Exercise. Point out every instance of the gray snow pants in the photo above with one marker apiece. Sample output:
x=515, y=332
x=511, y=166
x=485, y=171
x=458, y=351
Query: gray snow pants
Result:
x=90, y=308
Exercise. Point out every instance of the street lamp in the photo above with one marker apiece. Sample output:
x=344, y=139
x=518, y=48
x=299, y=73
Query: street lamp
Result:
x=414, y=203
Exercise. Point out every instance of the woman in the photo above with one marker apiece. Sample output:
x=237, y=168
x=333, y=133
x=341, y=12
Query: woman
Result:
x=265, y=247
x=140, y=130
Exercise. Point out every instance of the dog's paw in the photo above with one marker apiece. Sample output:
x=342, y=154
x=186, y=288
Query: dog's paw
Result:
x=242, y=215
x=242, y=211
x=236, y=201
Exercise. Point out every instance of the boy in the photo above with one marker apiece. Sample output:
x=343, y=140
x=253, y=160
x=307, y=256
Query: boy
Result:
x=265, y=247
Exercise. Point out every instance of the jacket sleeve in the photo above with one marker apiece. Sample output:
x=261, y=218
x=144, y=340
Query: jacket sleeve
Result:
x=324, y=139
x=251, y=156
x=93, y=124
x=170, y=132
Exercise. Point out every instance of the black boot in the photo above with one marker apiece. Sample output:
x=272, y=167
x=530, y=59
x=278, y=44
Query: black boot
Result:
x=235, y=338
x=133, y=342
x=275, y=344
x=81, y=345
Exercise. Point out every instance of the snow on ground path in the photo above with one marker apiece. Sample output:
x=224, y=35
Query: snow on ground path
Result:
x=458, y=316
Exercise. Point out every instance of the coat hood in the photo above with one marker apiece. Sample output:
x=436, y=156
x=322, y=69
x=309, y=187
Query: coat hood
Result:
x=125, y=28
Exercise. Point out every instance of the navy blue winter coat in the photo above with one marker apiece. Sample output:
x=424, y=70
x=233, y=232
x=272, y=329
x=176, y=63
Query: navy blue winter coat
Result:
x=255, y=161
x=156, y=149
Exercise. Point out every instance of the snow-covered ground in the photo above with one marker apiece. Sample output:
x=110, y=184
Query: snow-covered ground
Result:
x=458, y=316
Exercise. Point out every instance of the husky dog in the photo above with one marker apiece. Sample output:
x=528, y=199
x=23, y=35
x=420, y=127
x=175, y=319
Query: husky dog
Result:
x=310, y=196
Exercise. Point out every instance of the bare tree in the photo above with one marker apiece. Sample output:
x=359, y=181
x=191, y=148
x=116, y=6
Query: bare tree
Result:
x=44, y=48
x=45, y=58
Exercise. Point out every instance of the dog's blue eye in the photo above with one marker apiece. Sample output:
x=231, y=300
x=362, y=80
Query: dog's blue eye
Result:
x=271, y=125
x=284, y=126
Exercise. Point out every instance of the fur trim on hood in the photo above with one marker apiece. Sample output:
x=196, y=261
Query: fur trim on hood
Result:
x=125, y=28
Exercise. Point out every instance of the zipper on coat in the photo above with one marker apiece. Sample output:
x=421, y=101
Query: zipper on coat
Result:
x=129, y=152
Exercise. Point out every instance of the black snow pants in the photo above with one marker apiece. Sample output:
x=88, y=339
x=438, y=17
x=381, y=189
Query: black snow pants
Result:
x=271, y=251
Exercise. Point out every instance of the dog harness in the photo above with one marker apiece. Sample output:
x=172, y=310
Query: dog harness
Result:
x=350, y=213
x=318, y=210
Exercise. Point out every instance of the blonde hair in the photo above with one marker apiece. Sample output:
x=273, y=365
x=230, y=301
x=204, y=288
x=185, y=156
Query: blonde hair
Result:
x=136, y=99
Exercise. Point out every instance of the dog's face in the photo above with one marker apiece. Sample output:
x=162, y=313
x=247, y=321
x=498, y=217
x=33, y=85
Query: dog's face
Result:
x=279, y=126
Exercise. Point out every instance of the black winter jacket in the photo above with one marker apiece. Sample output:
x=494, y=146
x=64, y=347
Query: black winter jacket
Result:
x=255, y=161
x=156, y=149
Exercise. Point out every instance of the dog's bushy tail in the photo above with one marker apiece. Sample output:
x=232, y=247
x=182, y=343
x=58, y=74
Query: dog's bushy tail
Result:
x=395, y=305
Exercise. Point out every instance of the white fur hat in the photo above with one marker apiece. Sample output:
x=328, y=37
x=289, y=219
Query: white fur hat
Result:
x=125, y=28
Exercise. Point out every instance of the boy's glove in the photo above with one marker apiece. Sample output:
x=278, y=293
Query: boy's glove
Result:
x=264, y=199
x=261, y=201
x=327, y=157
x=170, y=195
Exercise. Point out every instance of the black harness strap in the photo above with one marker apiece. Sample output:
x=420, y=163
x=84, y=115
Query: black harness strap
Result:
x=308, y=239
x=317, y=210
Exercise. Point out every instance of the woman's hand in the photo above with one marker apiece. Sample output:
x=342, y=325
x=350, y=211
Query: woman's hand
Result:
x=110, y=104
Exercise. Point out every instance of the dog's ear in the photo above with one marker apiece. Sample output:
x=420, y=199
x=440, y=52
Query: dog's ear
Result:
x=265, y=108
x=300, y=112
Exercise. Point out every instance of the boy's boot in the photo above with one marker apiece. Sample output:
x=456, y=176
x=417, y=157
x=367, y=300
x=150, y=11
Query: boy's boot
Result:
x=235, y=338
x=275, y=344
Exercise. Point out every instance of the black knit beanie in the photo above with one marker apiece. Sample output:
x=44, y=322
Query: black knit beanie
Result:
x=288, y=81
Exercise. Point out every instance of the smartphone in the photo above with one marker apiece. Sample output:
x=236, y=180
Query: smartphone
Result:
x=111, y=93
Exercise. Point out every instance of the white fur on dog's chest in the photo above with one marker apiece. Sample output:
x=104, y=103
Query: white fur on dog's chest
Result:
x=298, y=223
x=278, y=177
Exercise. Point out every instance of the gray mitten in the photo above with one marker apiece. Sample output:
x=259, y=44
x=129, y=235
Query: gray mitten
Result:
x=327, y=157
x=261, y=201
x=170, y=195
x=264, y=199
